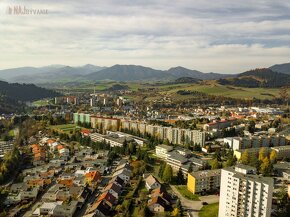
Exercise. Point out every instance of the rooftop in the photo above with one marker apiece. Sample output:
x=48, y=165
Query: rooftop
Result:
x=206, y=173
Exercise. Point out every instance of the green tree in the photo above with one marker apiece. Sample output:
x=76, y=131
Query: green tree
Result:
x=167, y=174
x=180, y=177
x=215, y=164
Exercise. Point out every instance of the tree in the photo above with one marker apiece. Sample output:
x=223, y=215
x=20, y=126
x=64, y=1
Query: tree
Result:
x=161, y=169
x=284, y=95
x=231, y=161
x=215, y=164
x=175, y=212
x=144, y=212
x=262, y=154
x=180, y=177
x=265, y=166
x=167, y=174
x=273, y=156
x=245, y=159
x=282, y=196
x=217, y=155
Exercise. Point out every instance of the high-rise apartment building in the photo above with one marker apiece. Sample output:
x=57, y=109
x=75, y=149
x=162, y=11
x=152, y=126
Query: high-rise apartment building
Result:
x=244, y=193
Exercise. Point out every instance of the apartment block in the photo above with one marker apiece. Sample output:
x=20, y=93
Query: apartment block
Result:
x=105, y=123
x=82, y=118
x=243, y=193
x=204, y=181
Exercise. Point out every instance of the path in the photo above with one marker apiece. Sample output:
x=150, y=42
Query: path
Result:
x=191, y=206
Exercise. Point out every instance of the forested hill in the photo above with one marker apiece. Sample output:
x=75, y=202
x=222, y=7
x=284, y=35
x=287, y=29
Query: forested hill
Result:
x=264, y=77
x=24, y=92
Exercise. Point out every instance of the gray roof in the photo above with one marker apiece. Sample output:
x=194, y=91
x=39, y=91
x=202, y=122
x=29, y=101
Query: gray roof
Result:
x=255, y=178
x=178, y=157
x=206, y=173
x=167, y=147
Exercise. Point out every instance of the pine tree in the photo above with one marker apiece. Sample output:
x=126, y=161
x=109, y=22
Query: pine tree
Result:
x=180, y=177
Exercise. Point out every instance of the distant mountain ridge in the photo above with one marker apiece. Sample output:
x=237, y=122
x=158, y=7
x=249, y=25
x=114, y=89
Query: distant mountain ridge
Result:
x=53, y=73
x=141, y=73
x=67, y=74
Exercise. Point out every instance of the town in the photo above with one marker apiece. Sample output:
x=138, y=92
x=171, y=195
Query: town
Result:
x=142, y=108
x=111, y=158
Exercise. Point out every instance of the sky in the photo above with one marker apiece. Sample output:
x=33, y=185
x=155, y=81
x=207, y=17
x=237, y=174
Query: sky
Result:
x=222, y=36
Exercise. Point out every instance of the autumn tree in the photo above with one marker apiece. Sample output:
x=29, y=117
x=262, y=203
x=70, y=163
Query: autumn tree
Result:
x=273, y=156
x=262, y=154
x=245, y=158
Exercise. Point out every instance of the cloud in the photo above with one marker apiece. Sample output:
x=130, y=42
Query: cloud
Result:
x=224, y=36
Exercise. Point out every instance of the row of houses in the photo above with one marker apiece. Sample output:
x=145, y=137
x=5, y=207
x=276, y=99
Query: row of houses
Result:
x=160, y=200
x=103, y=206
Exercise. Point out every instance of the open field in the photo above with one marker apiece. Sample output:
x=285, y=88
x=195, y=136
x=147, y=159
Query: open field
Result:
x=66, y=128
x=210, y=210
x=153, y=90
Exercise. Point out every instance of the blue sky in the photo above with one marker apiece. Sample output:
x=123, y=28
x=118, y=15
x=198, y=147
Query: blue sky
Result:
x=221, y=36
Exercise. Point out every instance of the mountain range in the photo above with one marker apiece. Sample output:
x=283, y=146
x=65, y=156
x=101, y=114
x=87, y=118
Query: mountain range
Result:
x=53, y=73
x=66, y=74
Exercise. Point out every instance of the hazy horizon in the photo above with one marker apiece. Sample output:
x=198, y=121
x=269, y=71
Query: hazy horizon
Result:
x=164, y=69
x=223, y=37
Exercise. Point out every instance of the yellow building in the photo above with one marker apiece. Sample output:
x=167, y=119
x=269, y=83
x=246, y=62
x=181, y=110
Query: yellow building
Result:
x=204, y=181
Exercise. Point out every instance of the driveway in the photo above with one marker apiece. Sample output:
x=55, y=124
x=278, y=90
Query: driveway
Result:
x=191, y=206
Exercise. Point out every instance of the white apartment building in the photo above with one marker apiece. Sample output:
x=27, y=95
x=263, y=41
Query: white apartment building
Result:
x=237, y=143
x=243, y=193
x=162, y=151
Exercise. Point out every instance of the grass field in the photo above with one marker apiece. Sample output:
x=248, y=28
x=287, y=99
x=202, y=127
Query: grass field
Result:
x=186, y=193
x=41, y=103
x=164, y=89
x=229, y=91
x=66, y=128
x=210, y=210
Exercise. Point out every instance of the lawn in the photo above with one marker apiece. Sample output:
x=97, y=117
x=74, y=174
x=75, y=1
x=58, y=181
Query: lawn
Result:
x=41, y=103
x=65, y=128
x=186, y=193
x=210, y=210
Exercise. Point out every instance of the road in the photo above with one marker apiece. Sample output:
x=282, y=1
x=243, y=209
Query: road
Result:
x=191, y=206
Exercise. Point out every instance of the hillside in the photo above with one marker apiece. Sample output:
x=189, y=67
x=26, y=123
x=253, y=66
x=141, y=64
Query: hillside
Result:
x=184, y=72
x=264, y=77
x=281, y=68
x=53, y=73
x=24, y=92
x=129, y=73
x=186, y=80
x=8, y=105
